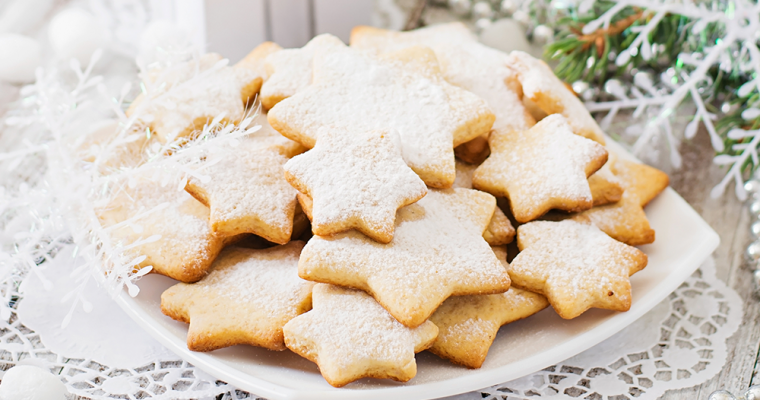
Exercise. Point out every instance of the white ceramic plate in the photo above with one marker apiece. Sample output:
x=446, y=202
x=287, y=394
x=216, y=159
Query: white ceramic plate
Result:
x=684, y=240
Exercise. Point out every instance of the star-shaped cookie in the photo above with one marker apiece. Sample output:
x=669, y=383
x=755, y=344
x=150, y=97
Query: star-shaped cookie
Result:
x=355, y=180
x=290, y=69
x=437, y=251
x=349, y=336
x=605, y=186
x=543, y=88
x=466, y=63
x=253, y=71
x=186, y=97
x=467, y=325
x=576, y=266
x=403, y=92
x=246, y=299
x=543, y=168
x=499, y=230
x=246, y=189
x=187, y=245
x=625, y=220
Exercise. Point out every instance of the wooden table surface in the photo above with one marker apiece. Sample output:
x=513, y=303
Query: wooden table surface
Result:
x=728, y=216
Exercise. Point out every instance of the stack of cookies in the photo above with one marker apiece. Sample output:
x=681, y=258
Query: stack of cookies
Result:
x=374, y=241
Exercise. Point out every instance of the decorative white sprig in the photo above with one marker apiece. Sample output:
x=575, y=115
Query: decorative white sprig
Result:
x=51, y=196
x=740, y=24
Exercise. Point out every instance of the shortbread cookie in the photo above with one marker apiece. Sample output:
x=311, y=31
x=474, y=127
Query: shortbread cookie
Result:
x=349, y=336
x=467, y=325
x=543, y=168
x=246, y=189
x=403, y=92
x=605, y=186
x=356, y=180
x=437, y=251
x=500, y=230
x=110, y=149
x=191, y=95
x=187, y=245
x=576, y=266
x=466, y=63
x=246, y=299
x=625, y=220
x=290, y=69
x=253, y=70
x=542, y=87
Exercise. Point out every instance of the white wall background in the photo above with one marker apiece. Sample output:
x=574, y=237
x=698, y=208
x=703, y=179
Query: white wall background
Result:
x=235, y=27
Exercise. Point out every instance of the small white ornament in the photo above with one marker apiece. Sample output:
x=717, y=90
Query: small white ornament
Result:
x=753, y=252
x=579, y=87
x=721, y=395
x=19, y=57
x=483, y=23
x=753, y=393
x=506, y=28
x=75, y=33
x=543, y=34
x=31, y=383
x=482, y=9
x=461, y=7
x=614, y=87
x=521, y=17
x=588, y=94
x=508, y=6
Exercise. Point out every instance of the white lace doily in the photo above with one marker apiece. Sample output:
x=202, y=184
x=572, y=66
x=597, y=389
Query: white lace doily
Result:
x=103, y=354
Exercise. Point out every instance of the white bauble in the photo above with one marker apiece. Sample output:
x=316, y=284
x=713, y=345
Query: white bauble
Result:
x=506, y=35
x=31, y=383
x=75, y=33
x=19, y=57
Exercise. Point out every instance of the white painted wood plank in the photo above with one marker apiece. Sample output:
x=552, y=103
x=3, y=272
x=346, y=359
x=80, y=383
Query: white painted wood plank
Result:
x=291, y=22
x=235, y=27
x=339, y=16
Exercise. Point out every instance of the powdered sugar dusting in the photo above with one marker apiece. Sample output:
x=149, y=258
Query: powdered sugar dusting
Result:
x=574, y=263
x=351, y=331
x=355, y=176
x=360, y=93
x=539, y=168
x=543, y=87
x=291, y=69
x=187, y=243
x=465, y=62
x=438, y=250
x=193, y=94
x=264, y=280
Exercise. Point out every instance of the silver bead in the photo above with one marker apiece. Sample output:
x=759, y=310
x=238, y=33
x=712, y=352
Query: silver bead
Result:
x=754, y=207
x=482, y=9
x=752, y=186
x=461, y=7
x=508, y=6
x=483, y=23
x=543, y=34
x=753, y=252
x=721, y=395
x=753, y=393
x=580, y=87
x=755, y=229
